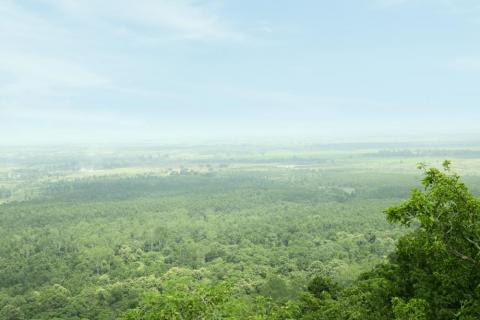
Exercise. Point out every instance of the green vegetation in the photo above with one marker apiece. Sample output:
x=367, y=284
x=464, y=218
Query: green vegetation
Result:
x=238, y=239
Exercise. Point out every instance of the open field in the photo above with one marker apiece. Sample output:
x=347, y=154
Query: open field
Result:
x=24, y=173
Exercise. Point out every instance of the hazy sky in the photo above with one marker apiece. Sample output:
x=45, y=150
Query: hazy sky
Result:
x=118, y=70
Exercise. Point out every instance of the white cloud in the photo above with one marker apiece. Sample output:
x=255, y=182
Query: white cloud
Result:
x=466, y=64
x=68, y=116
x=65, y=124
x=30, y=74
x=453, y=6
x=42, y=52
x=181, y=18
x=31, y=64
x=47, y=54
x=391, y=3
x=462, y=6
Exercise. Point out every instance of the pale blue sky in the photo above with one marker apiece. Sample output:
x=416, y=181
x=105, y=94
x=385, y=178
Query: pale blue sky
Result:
x=156, y=70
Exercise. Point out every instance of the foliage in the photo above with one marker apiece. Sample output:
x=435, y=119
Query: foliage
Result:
x=440, y=261
x=243, y=244
x=434, y=271
x=415, y=309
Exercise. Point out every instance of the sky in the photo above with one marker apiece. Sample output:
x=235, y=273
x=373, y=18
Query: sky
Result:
x=88, y=71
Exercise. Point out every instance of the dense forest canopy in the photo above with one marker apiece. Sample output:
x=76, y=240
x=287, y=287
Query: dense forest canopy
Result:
x=328, y=238
x=432, y=274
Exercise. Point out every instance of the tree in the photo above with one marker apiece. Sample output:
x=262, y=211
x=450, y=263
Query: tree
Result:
x=415, y=309
x=447, y=211
x=439, y=263
x=10, y=312
x=320, y=285
x=183, y=300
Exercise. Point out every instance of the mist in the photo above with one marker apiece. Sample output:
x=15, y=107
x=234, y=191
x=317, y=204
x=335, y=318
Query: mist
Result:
x=163, y=72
